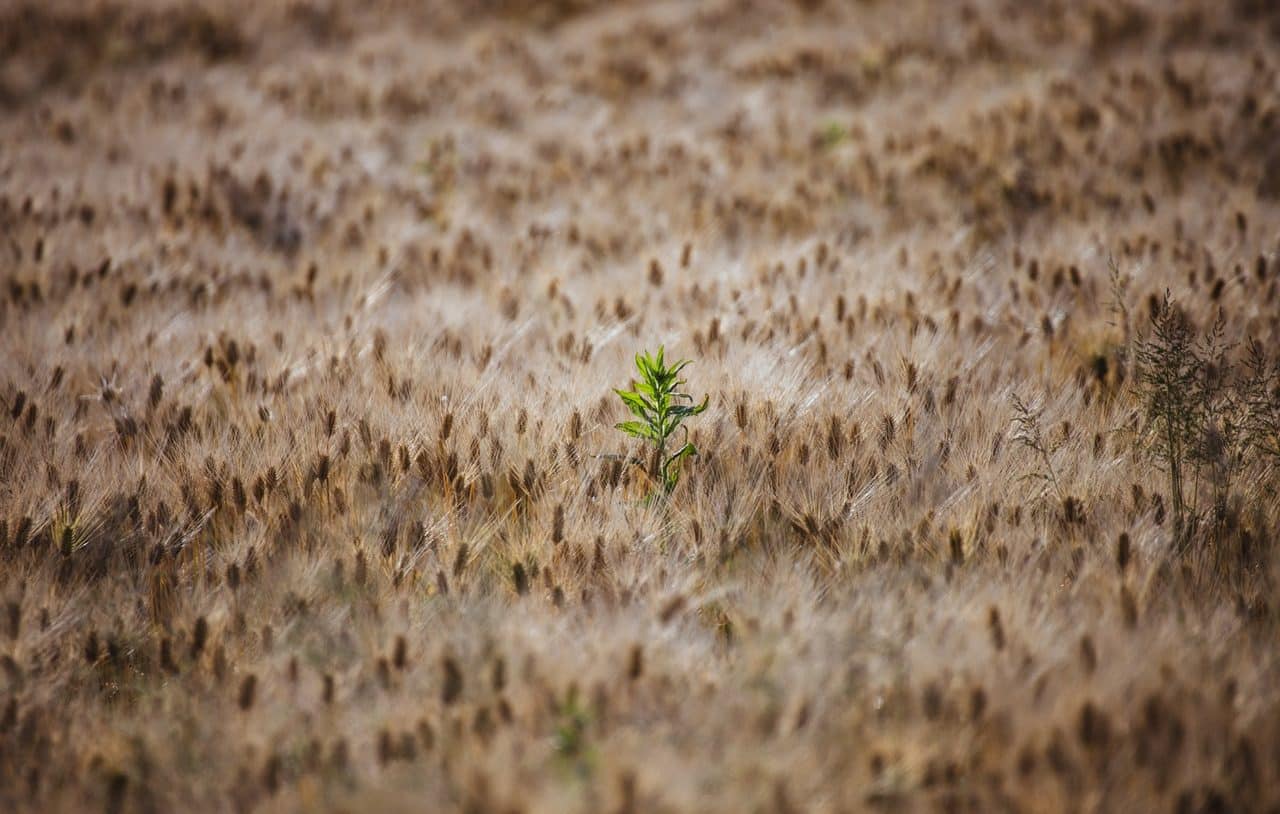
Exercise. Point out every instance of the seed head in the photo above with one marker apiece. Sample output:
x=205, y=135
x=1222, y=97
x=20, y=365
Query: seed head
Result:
x=451, y=690
x=248, y=690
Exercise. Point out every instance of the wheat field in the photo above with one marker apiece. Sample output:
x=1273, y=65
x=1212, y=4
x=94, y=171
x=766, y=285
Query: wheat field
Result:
x=310, y=493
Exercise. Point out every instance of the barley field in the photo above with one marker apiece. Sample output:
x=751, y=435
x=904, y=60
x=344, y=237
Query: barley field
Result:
x=311, y=496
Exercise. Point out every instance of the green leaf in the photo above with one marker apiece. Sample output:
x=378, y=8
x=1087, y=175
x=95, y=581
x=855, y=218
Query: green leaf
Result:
x=671, y=468
x=637, y=428
x=638, y=404
x=684, y=452
x=685, y=410
x=647, y=389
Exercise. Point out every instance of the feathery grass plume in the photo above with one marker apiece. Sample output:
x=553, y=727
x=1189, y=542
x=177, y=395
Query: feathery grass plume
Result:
x=1183, y=384
x=1030, y=434
x=657, y=403
x=1261, y=399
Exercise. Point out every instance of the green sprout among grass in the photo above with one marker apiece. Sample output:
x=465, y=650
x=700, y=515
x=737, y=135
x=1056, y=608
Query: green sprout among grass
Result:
x=833, y=134
x=661, y=408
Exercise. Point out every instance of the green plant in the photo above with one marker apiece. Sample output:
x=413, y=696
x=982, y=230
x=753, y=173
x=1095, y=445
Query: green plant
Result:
x=571, y=727
x=833, y=134
x=660, y=407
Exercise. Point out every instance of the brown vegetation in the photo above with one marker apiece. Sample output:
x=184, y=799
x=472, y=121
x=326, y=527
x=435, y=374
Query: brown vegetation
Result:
x=310, y=496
